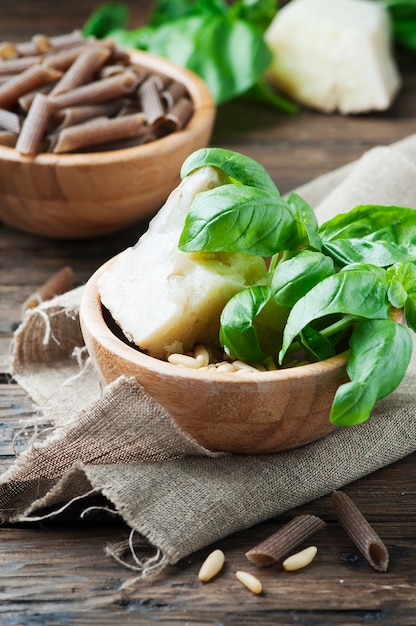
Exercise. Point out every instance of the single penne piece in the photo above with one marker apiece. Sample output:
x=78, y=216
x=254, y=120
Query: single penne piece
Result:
x=16, y=65
x=58, y=283
x=281, y=543
x=67, y=40
x=63, y=59
x=172, y=93
x=360, y=531
x=98, y=91
x=97, y=132
x=10, y=121
x=151, y=101
x=77, y=114
x=180, y=114
x=8, y=138
x=82, y=69
x=25, y=101
x=39, y=44
x=35, y=124
x=27, y=81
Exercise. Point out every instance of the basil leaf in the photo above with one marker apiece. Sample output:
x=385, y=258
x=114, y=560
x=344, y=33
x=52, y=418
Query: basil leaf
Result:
x=237, y=166
x=236, y=218
x=410, y=310
x=106, y=18
x=397, y=294
x=381, y=253
x=251, y=324
x=316, y=345
x=306, y=221
x=293, y=278
x=165, y=10
x=380, y=351
x=258, y=12
x=389, y=223
x=354, y=292
x=228, y=69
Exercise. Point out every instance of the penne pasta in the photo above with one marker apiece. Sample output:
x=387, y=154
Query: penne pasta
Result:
x=97, y=132
x=9, y=121
x=98, y=91
x=50, y=85
x=279, y=545
x=82, y=69
x=77, y=114
x=39, y=44
x=16, y=65
x=29, y=79
x=151, y=101
x=35, y=124
x=180, y=114
x=360, y=531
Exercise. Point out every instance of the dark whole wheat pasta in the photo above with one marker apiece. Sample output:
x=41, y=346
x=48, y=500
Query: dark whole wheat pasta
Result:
x=58, y=283
x=35, y=124
x=39, y=44
x=180, y=114
x=151, y=101
x=172, y=93
x=82, y=69
x=360, y=531
x=69, y=81
x=29, y=79
x=98, y=91
x=25, y=101
x=10, y=121
x=17, y=65
x=98, y=131
x=67, y=40
x=279, y=545
x=77, y=114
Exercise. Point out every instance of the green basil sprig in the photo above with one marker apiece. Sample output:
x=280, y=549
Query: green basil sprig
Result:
x=330, y=287
x=220, y=41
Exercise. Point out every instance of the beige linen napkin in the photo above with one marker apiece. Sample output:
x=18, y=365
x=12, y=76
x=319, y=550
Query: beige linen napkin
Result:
x=120, y=443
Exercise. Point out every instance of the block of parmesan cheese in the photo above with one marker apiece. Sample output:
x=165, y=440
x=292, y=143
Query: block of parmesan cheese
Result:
x=166, y=300
x=334, y=55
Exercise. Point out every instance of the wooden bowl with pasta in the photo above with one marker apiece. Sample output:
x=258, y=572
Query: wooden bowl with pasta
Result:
x=74, y=193
x=253, y=412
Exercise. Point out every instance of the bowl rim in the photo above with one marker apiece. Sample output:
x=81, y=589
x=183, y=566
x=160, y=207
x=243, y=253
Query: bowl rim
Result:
x=204, y=107
x=93, y=322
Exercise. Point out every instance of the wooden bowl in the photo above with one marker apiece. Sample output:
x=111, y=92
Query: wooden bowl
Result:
x=75, y=196
x=243, y=413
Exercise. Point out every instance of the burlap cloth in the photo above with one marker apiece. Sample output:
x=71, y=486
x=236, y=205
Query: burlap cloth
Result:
x=119, y=443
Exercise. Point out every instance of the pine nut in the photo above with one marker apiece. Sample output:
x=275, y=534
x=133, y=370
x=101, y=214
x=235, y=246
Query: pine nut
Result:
x=184, y=360
x=300, y=559
x=211, y=566
x=202, y=353
x=225, y=367
x=249, y=581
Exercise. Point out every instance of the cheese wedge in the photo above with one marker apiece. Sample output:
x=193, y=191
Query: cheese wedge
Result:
x=334, y=55
x=166, y=300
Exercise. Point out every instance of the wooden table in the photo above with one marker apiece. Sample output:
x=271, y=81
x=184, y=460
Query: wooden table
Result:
x=57, y=572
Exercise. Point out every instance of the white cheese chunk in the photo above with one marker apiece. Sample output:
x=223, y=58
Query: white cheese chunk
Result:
x=166, y=300
x=334, y=55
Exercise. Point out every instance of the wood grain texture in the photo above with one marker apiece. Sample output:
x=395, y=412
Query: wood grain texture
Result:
x=56, y=573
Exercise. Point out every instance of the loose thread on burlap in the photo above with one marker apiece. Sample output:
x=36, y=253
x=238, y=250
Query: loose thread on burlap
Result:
x=63, y=508
x=148, y=567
